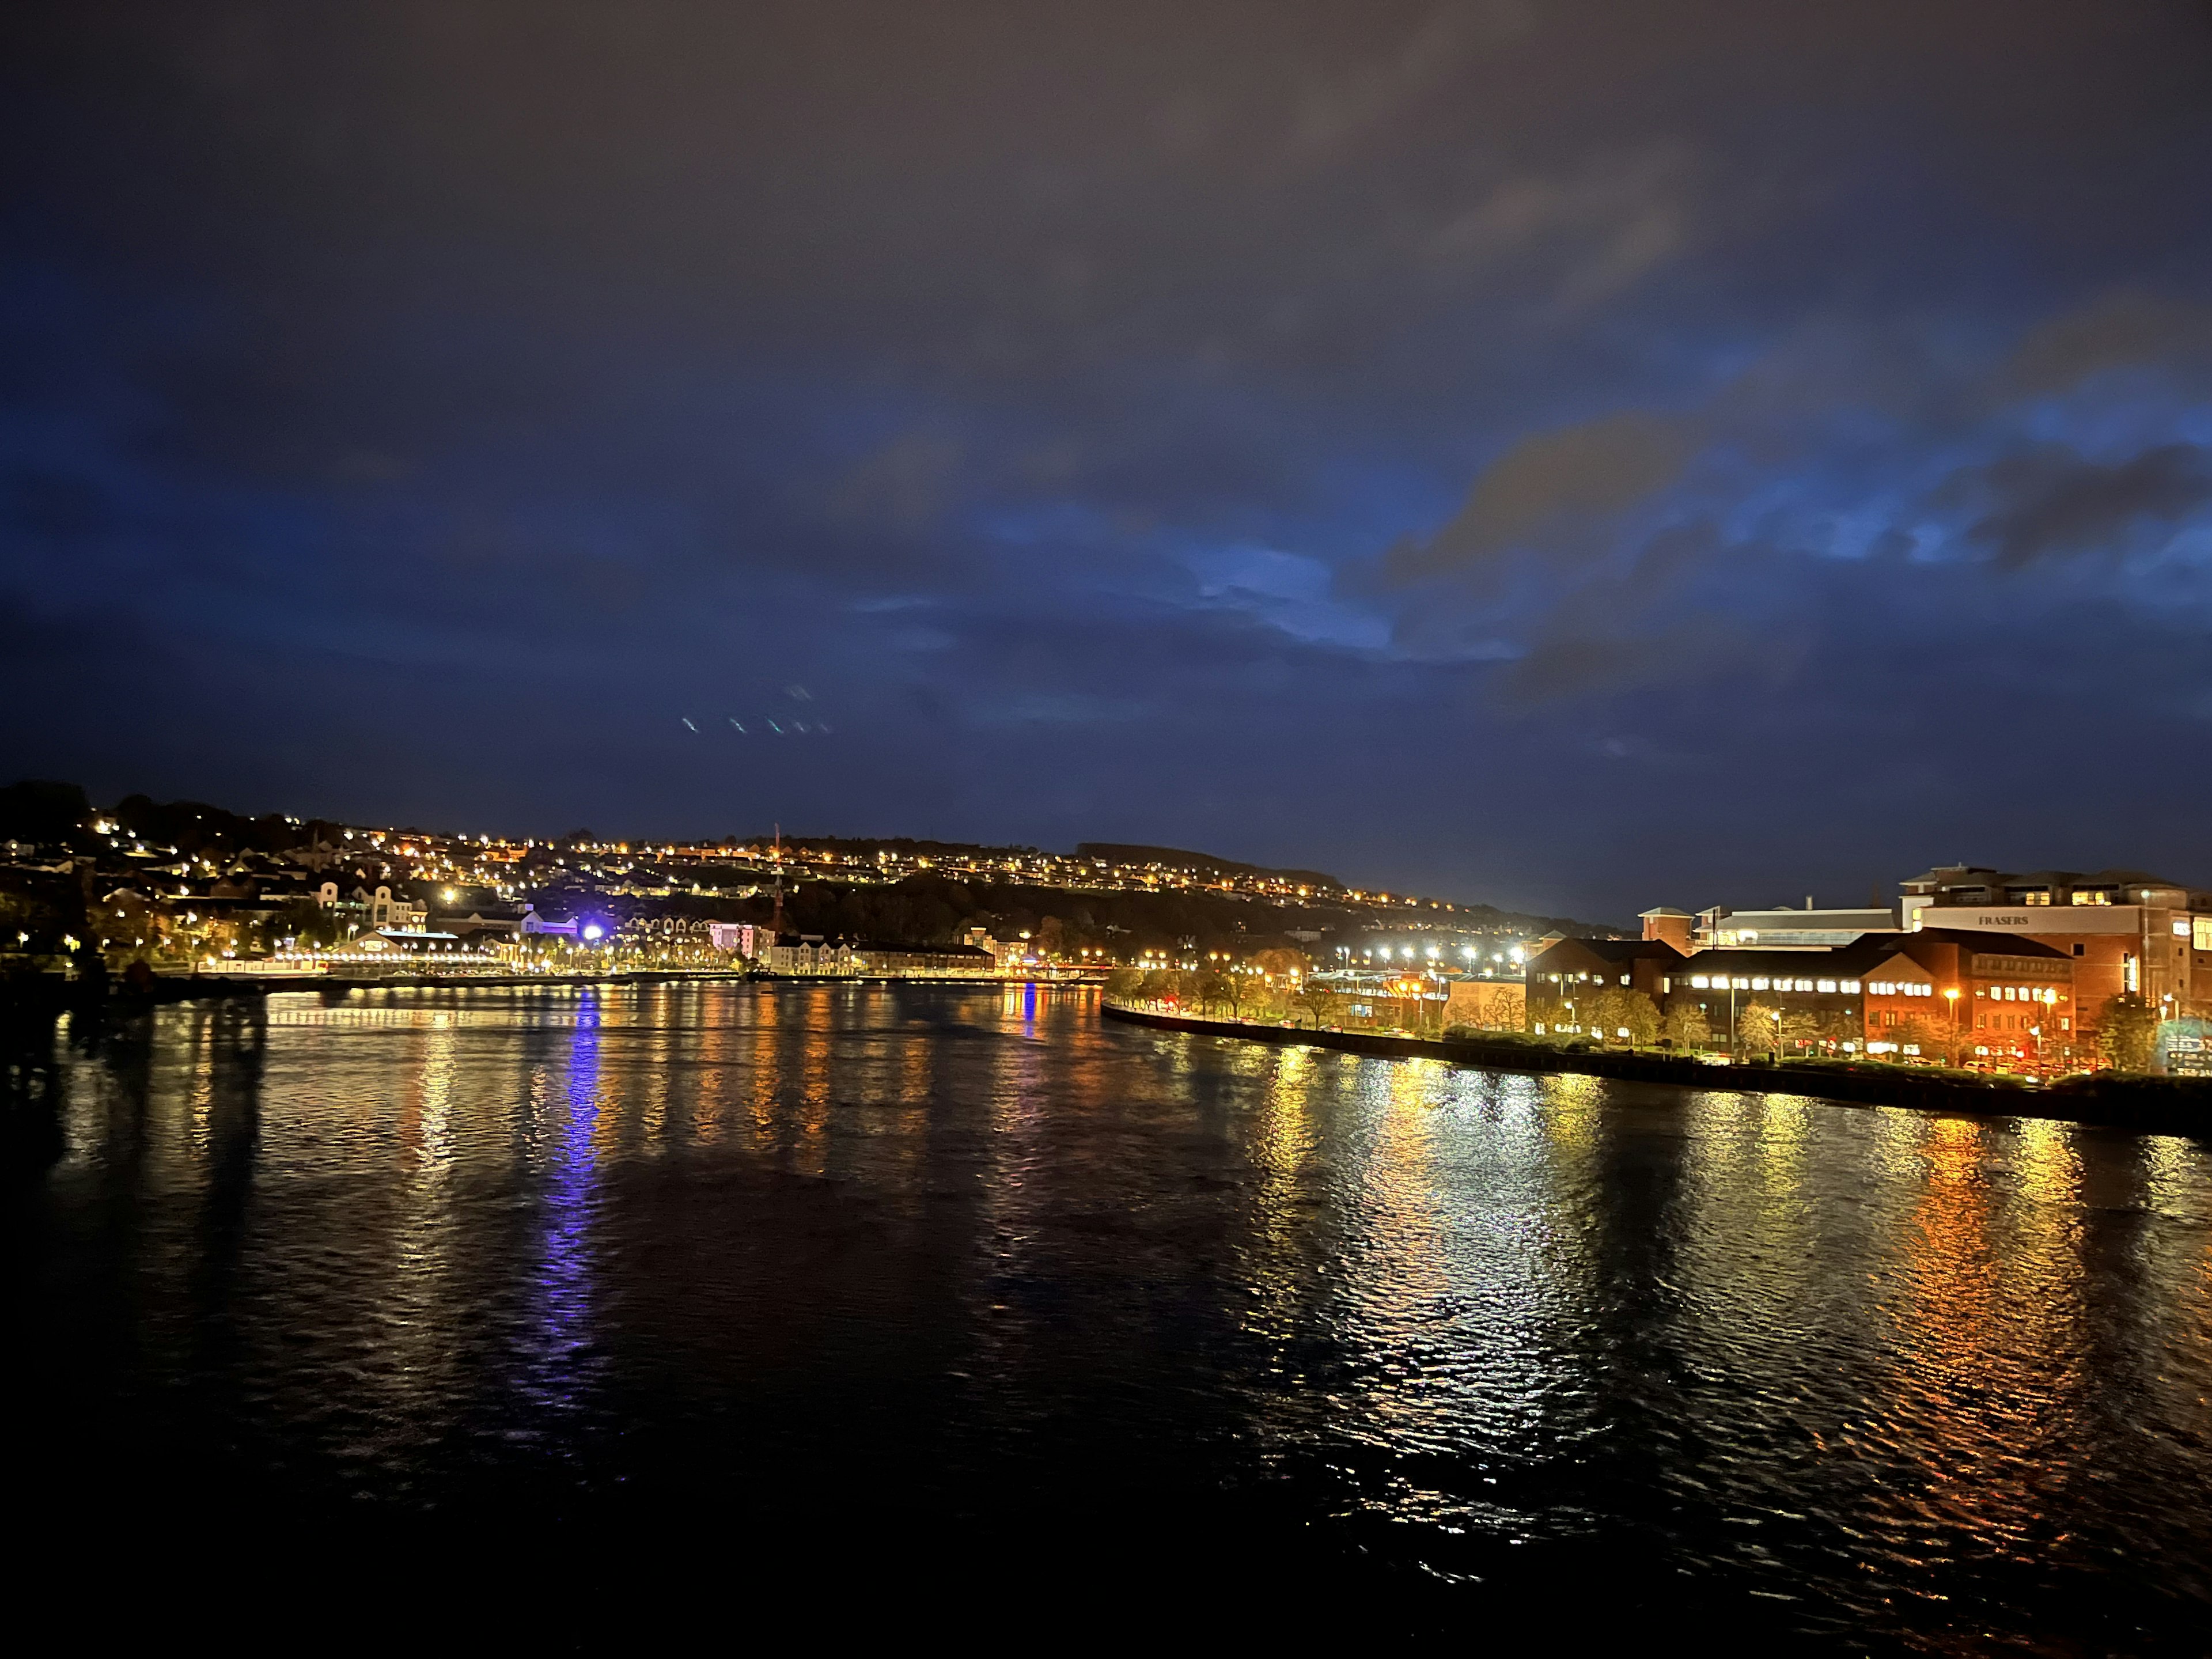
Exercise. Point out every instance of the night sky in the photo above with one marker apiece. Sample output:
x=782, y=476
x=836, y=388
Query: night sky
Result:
x=1578, y=456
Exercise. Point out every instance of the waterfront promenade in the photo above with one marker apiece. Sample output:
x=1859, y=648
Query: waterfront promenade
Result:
x=2147, y=1105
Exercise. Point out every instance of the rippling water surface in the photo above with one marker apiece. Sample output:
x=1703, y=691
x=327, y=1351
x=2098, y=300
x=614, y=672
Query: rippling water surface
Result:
x=936, y=1272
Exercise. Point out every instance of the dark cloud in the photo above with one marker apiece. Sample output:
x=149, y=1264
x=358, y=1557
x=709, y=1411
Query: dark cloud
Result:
x=1553, y=479
x=2051, y=503
x=1571, y=665
x=2128, y=330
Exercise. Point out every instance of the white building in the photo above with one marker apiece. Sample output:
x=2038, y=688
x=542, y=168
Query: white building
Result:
x=748, y=939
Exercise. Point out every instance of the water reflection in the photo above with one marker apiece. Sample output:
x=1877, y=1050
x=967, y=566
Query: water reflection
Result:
x=1885, y=1371
x=574, y=1122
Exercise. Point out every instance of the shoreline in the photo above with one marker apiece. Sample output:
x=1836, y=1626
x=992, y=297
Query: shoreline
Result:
x=50, y=996
x=2139, y=1105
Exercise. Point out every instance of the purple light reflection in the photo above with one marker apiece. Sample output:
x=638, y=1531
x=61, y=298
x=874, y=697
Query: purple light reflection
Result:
x=559, y=1329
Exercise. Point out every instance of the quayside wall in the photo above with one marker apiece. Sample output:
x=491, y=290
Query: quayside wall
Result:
x=2147, y=1105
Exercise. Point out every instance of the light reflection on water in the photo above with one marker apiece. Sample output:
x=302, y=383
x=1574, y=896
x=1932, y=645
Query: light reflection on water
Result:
x=1886, y=1372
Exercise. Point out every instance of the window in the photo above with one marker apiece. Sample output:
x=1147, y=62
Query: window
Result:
x=1759, y=981
x=2091, y=896
x=1700, y=982
x=1881, y=988
x=1742, y=984
x=1624, y=979
x=1850, y=988
x=2202, y=928
x=1804, y=984
x=1826, y=985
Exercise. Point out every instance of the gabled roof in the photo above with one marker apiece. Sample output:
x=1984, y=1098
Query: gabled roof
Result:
x=1981, y=943
x=1614, y=950
x=1844, y=962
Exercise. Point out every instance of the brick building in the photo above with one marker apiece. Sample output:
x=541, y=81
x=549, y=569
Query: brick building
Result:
x=2125, y=930
x=2000, y=1001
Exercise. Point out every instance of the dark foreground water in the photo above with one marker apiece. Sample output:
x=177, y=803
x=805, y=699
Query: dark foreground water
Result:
x=922, y=1304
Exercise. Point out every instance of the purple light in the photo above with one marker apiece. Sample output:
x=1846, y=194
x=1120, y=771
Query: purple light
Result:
x=593, y=930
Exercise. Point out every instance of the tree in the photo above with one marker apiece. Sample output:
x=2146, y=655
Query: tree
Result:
x=2127, y=1033
x=1211, y=991
x=1316, y=1001
x=1613, y=1011
x=1920, y=1036
x=1239, y=986
x=1757, y=1029
x=308, y=922
x=1797, y=1032
x=1687, y=1026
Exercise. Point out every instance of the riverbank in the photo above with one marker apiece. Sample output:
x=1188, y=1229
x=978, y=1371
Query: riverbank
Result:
x=45, y=996
x=2145, y=1105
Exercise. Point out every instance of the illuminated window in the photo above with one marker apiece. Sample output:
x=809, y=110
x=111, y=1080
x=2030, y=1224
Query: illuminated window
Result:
x=1700, y=982
x=1852, y=987
x=1826, y=985
x=1804, y=984
x=2088, y=897
x=1745, y=984
x=1758, y=982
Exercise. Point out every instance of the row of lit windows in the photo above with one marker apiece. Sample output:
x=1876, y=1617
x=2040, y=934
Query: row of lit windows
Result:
x=1760, y=983
x=2021, y=994
x=1882, y=987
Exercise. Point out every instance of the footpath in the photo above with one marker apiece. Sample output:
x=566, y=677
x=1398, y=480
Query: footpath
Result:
x=2146, y=1105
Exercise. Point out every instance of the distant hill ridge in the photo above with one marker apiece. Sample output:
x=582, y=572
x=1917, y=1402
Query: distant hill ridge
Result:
x=1177, y=858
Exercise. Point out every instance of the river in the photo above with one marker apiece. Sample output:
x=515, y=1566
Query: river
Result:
x=965, y=1276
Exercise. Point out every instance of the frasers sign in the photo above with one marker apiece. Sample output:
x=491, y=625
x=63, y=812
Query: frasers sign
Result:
x=2036, y=919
